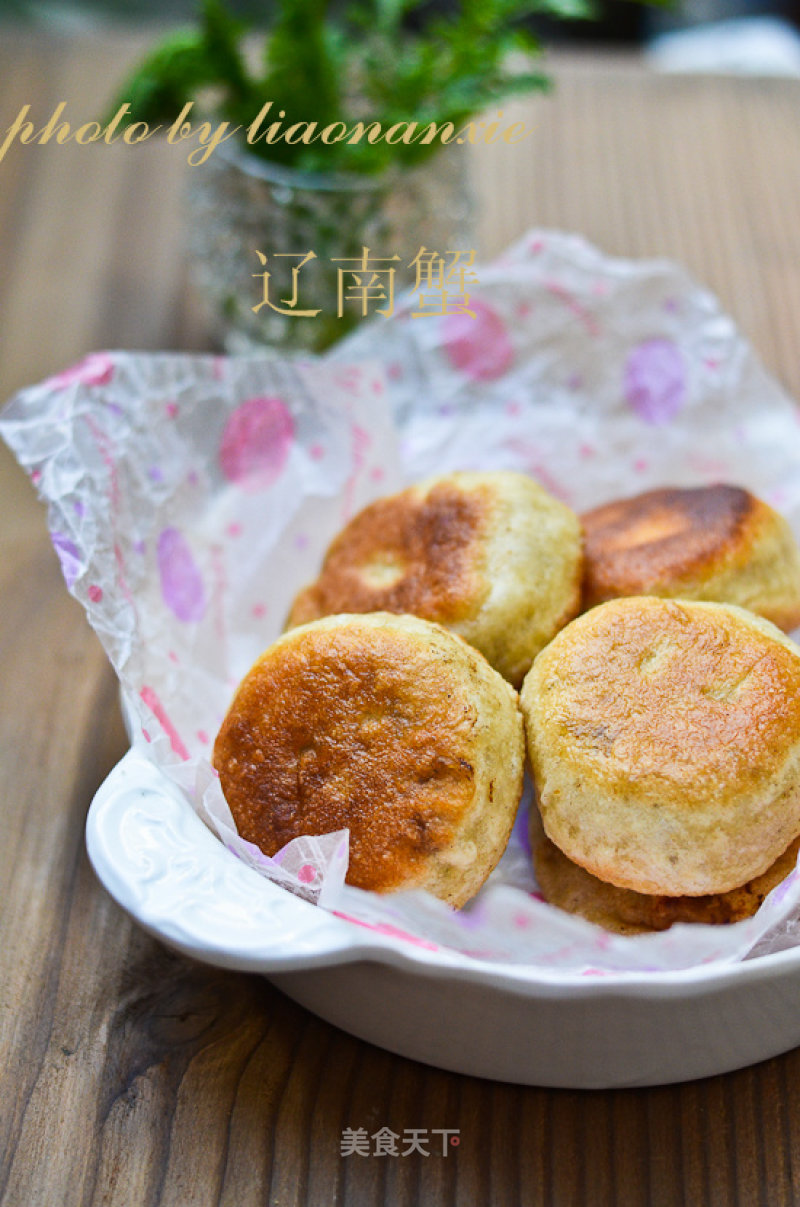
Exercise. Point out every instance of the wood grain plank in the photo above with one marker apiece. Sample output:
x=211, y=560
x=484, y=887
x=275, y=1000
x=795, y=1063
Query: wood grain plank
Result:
x=132, y=1076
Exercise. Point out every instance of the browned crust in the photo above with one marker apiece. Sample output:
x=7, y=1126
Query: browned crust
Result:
x=655, y=689
x=571, y=888
x=657, y=541
x=353, y=727
x=406, y=553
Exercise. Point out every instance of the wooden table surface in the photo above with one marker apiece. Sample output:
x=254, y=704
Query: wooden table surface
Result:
x=134, y=1076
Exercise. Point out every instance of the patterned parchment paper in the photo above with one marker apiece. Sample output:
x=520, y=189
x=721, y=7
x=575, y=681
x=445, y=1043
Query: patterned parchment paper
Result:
x=190, y=497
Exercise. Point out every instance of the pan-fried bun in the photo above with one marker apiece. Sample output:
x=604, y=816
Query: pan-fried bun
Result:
x=389, y=726
x=492, y=556
x=665, y=743
x=571, y=888
x=714, y=542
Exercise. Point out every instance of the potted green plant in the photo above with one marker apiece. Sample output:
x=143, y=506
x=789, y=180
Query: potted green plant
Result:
x=338, y=132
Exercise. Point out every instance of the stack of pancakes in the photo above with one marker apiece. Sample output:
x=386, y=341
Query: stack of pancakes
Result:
x=662, y=735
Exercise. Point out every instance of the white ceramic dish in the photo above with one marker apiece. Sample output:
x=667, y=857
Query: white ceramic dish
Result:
x=163, y=866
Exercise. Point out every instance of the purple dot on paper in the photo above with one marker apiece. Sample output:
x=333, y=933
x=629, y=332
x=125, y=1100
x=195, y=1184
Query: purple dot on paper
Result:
x=155, y=474
x=479, y=347
x=69, y=557
x=78, y=508
x=181, y=581
x=301, y=541
x=139, y=546
x=256, y=442
x=655, y=380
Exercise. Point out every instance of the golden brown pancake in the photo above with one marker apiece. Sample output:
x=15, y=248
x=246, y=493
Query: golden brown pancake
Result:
x=571, y=888
x=492, y=556
x=665, y=743
x=389, y=726
x=714, y=542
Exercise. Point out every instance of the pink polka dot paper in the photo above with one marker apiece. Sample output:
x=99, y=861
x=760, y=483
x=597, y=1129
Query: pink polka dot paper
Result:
x=190, y=497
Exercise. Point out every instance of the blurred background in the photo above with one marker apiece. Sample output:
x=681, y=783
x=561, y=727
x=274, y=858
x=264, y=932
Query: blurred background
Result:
x=621, y=22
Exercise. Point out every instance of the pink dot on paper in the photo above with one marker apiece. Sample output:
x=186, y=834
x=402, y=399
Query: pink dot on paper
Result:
x=36, y=476
x=654, y=380
x=307, y=873
x=95, y=593
x=479, y=347
x=513, y=408
x=377, y=474
x=181, y=582
x=259, y=610
x=146, y=736
x=202, y=736
x=172, y=409
x=96, y=369
x=394, y=371
x=173, y=657
x=317, y=451
x=149, y=697
x=234, y=529
x=640, y=465
x=256, y=442
x=377, y=386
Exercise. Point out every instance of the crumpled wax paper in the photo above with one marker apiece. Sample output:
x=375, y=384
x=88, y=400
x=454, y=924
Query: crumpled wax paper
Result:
x=190, y=497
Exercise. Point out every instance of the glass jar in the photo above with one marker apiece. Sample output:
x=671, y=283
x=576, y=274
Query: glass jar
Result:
x=241, y=205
